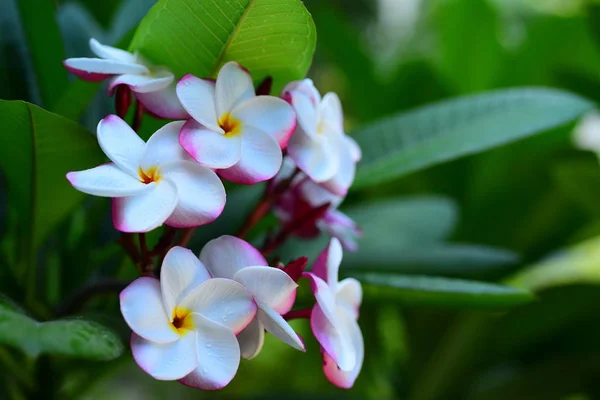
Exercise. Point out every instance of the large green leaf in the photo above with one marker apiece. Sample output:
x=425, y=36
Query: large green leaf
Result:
x=448, y=130
x=45, y=47
x=441, y=292
x=36, y=151
x=269, y=37
x=75, y=338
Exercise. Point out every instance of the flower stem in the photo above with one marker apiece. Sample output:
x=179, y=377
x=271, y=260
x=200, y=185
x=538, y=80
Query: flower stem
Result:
x=186, y=236
x=305, y=313
x=147, y=267
x=137, y=116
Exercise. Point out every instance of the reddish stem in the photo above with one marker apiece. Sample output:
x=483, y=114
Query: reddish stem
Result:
x=186, y=236
x=137, y=116
x=298, y=314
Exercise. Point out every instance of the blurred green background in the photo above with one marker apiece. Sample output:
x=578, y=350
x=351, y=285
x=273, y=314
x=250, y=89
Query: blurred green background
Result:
x=503, y=215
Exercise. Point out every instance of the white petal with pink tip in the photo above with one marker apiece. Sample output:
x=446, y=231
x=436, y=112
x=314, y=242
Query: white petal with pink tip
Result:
x=226, y=255
x=169, y=361
x=106, y=180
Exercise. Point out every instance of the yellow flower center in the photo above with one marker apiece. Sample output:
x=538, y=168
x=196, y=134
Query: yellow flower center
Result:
x=149, y=175
x=230, y=125
x=182, y=320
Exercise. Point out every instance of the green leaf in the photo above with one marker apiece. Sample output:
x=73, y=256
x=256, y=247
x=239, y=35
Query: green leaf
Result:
x=451, y=129
x=441, y=292
x=74, y=338
x=580, y=181
x=269, y=37
x=45, y=47
x=578, y=264
x=40, y=149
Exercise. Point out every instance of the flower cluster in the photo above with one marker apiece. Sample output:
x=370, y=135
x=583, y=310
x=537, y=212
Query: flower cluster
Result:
x=201, y=314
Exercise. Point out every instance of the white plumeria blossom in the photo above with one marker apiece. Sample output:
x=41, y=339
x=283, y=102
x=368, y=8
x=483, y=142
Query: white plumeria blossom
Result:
x=151, y=183
x=586, y=134
x=232, y=129
x=304, y=195
x=319, y=145
x=153, y=86
x=184, y=325
x=334, y=318
x=273, y=290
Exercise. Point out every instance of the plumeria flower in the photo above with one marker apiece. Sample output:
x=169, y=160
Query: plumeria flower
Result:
x=319, y=145
x=184, y=325
x=232, y=129
x=587, y=132
x=273, y=290
x=334, y=318
x=305, y=195
x=153, y=86
x=151, y=183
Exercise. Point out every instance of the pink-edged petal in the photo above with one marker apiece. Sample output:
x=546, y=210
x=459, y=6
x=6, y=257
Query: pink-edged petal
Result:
x=200, y=194
x=181, y=272
x=86, y=76
x=210, y=148
x=234, y=86
x=106, y=180
x=163, y=103
x=332, y=337
x=143, y=310
x=331, y=116
x=218, y=355
x=353, y=148
x=342, y=180
x=328, y=262
x=316, y=195
x=318, y=158
x=198, y=98
x=251, y=339
x=337, y=376
x=304, y=86
x=226, y=255
x=342, y=227
x=163, y=147
x=349, y=296
x=166, y=361
x=260, y=159
x=324, y=295
x=103, y=67
x=223, y=301
x=306, y=112
x=285, y=306
x=142, y=83
x=268, y=114
x=268, y=285
x=111, y=53
x=278, y=327
x=147, y=211
x=121, y=144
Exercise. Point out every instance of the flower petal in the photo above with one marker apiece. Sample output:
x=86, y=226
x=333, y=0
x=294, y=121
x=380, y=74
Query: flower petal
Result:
x=106, y=180
x=111, y=53
x=223, y=301
x=226, y=255
x=268, y=114
x=353, y=148
x=181, y=272
x=278, y=327
x=163, y=103
x=306, y=112
x=342, y=227
x=200, y=194
x=143, y=310
x=305, y=86
x=101, y=66
x=166, y=361
x=318, y=158
x=147, y=211
x=121, y=144
x=86, y=76
x=328, y=262
x=349, y=296
x=218, y=355
x=324, y=295
x=198, y=98
x=142, y=83
x=331, y=116
x=333, y=338
x=316, y=195
x=252, y=339
x=210, y=148
x=234, y=86
x=342, y=180
x=163, y=147
x=260, y=159
x=337, y=376
x=268, y=285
